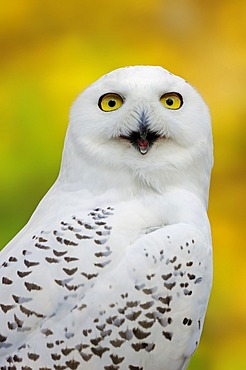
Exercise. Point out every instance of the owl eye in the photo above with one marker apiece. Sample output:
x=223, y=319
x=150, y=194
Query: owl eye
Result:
x=110, y=102
x=172, y=100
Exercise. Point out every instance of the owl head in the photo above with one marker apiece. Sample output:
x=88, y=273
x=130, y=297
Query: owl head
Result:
x=144, y=126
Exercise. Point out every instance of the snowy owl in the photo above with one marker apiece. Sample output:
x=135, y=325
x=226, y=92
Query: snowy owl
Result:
x=113, y=270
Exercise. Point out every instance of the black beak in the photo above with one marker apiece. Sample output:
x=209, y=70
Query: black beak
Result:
x=144, y=138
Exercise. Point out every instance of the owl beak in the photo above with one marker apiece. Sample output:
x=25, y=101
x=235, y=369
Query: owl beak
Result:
x=143, y=146
x=143, y=138
x=142, y=141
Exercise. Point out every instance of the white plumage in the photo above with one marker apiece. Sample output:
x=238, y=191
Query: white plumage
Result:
x=113, y=270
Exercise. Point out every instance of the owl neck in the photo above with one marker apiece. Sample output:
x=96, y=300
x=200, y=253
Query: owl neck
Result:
x=94, y=176
x=85, y=172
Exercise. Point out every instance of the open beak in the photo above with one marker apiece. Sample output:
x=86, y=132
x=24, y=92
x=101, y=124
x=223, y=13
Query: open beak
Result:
x=142, y=141
x=144, y=138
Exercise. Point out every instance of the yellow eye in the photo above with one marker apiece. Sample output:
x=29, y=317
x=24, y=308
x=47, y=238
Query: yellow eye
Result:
x=110, y=102
x=172, y=100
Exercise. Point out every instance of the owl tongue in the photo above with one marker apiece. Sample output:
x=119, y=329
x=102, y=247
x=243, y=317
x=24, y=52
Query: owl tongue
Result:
x=143, y=145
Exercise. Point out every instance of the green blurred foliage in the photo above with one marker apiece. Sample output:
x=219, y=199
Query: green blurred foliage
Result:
x=51, y=50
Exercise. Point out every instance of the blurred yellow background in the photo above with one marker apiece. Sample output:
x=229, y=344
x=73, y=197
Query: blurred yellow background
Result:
x=51, y=50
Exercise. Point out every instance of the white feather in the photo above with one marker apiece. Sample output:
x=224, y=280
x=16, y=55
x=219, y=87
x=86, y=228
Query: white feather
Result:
x=114, y=268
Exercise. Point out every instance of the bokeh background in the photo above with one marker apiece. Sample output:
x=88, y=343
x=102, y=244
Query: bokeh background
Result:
x=51, y=50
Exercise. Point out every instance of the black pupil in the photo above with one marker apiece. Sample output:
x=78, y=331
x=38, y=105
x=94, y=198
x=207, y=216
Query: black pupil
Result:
x=111, y=103
x=169, y=101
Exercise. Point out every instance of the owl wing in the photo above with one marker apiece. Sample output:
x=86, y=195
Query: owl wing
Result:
x=40, y=269
x=70, y=287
